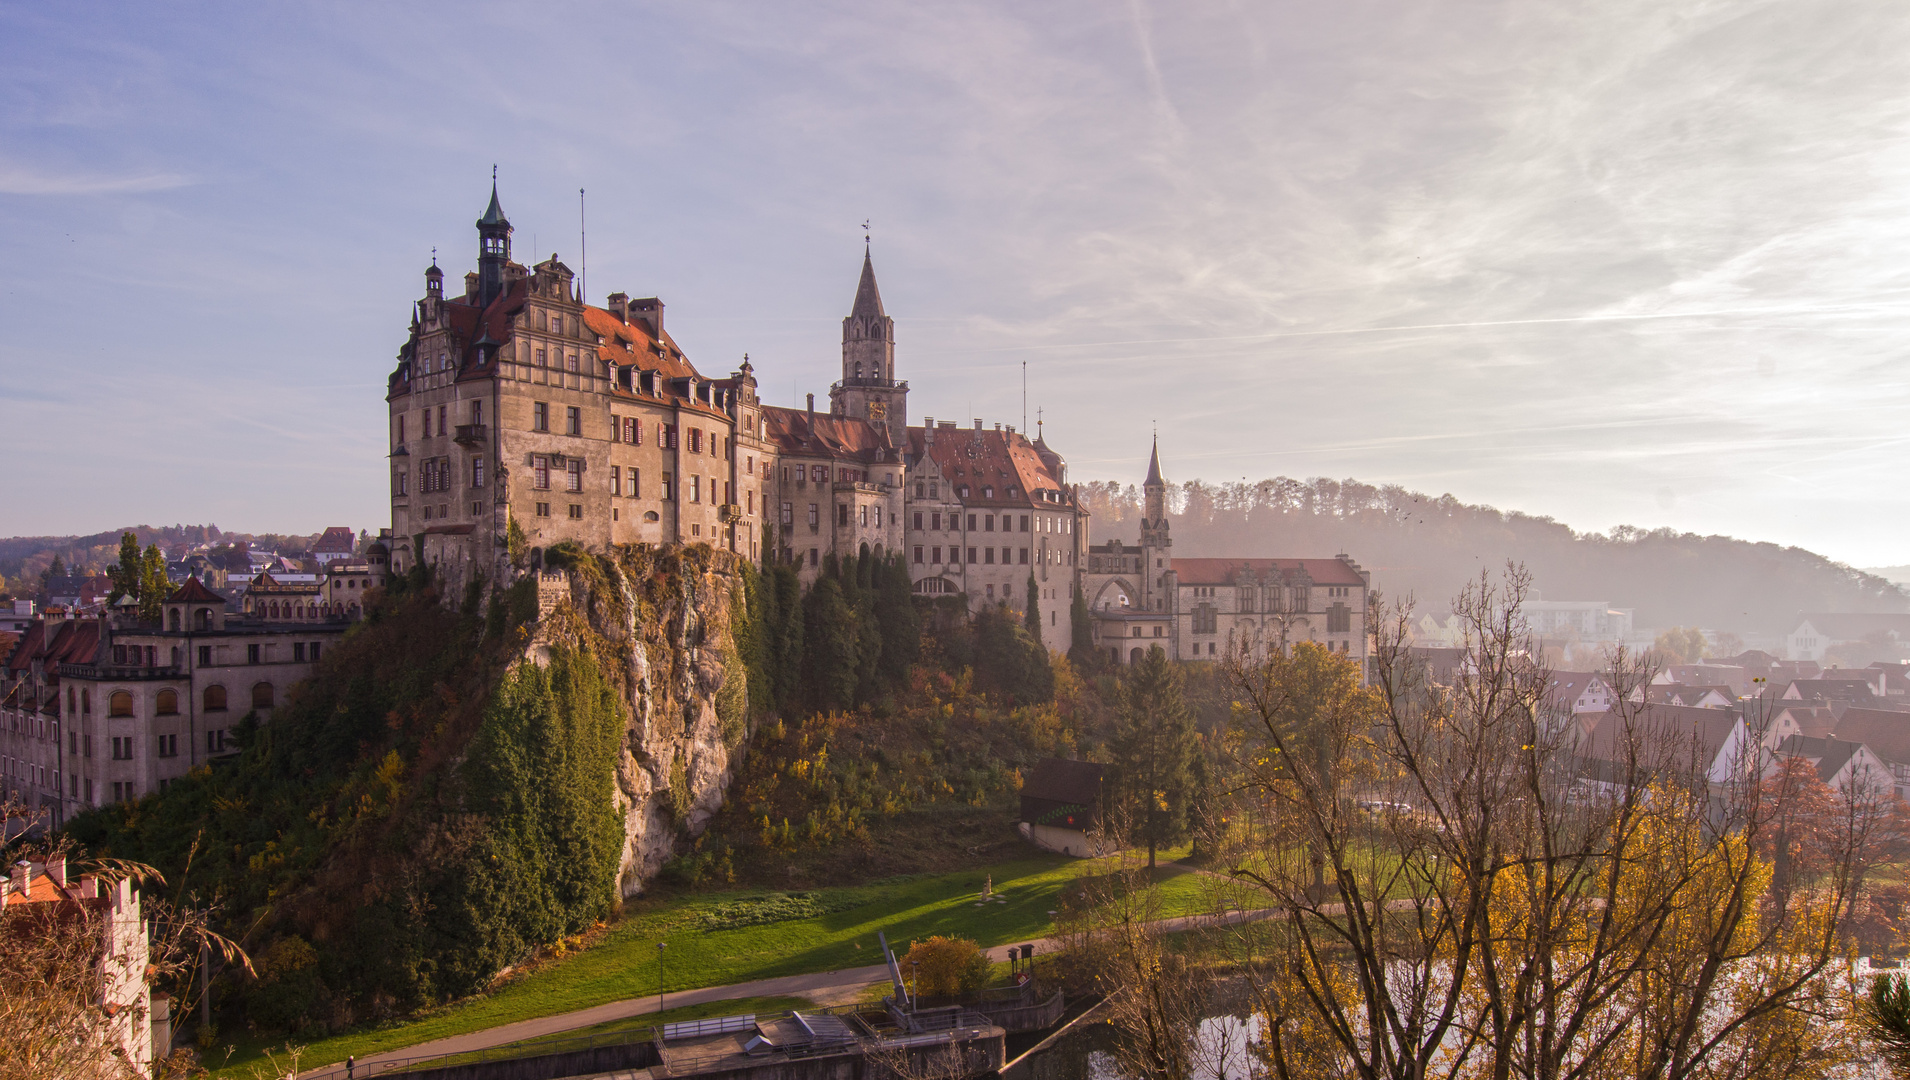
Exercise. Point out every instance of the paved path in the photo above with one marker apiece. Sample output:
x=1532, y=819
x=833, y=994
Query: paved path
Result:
x=824, y=988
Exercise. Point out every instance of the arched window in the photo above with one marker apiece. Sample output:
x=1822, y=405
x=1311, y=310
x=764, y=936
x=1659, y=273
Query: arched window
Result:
x=204, y=618
x=214, y=699
x=262, y=695
x=272, y=610
x=172, y=620
x=167, y=703
x=120, y=704
x=86, y=702
x=1134, y=656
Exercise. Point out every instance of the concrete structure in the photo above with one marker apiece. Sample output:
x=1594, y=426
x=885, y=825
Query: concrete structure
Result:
x=1061, y=805
x=1202, y=609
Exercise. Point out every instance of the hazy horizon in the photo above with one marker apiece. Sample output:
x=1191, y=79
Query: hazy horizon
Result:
x=1612, y=264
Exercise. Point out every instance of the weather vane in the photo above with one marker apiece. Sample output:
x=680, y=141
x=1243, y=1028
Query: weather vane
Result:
x=865, y=232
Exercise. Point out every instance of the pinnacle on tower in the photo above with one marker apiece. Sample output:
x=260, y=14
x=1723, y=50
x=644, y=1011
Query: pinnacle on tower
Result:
x=1154, y=466
x=868, y=303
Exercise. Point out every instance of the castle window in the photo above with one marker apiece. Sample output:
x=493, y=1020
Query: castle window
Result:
x=932, y=486
x=918, y=494
x=789, y=515
x=988, y=523
x=815, y=520
x=918, y=553
x=262, y=695
x=540, y=416
x=988, y=491
x=667, y=488
x=576, y=512
x=477, y=472
x=540, y=473
x=936, y=554
x=167, y=703
x=543, y=509
x=119, y=704
x=574, y=475
x=842, y=515
x=573, y=420
x=636, y=482
x=1024, y=523
x=696, y=489
x=616, y=480
x=214, y=699
x=1024, y=556
x=918, y=521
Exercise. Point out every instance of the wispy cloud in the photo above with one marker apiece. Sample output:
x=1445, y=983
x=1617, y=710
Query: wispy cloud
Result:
x=19, y=180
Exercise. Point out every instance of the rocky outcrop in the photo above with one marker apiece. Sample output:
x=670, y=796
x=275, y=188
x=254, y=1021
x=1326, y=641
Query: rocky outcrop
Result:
x=663, y=623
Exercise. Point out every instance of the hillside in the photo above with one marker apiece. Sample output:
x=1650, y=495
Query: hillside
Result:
x=1428, y=546
x=24, y=558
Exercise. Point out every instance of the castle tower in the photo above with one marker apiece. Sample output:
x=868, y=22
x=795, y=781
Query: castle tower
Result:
x=869, y=388
x=494, y=248
x=1157, y=586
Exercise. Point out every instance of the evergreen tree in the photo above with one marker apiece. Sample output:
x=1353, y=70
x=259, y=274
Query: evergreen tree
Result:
x=153, y=585
x=1081, y=651
x=787, y=640
x=1008, y=660
x=830, y=639
x=129, y=572
x=1153, y=749
x=895, y=614
x=1031, y=614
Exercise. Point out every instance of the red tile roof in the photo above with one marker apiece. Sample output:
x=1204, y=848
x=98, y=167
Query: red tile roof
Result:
x=194, y=591
x=337, y=538
x=845, y=437
x=997, y=459
x=1222, y=571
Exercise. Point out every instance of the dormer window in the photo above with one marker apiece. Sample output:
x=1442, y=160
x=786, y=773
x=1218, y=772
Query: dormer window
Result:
x=988, y=491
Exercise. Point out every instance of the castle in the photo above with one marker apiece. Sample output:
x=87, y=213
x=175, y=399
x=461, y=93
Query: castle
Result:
x=520, y=410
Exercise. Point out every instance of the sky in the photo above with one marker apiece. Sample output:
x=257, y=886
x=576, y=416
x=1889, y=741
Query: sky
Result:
x=1638, y=262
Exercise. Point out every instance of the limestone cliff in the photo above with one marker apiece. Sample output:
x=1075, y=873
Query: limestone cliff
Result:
x=664, y=624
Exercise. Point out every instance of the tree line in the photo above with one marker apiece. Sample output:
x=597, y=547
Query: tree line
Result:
x=1429, y=547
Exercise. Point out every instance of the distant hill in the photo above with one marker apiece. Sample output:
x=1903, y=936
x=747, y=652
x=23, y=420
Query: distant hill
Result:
x=1898, y=574
x=1428, y=546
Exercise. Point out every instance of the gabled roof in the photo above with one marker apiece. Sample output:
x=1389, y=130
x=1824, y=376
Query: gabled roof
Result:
x=1676, y=728
x=194, y=591
x=337, y=538
x=1566, y=687
x=1065, y=781
x=1886, y=733
x=991, y=459
x=1226, y=571
x=847, y=438
x=1829, y=754
x=1854, y=626
x=1827, y=690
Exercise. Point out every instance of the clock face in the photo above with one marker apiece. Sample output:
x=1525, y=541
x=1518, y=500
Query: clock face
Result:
x=877, y=410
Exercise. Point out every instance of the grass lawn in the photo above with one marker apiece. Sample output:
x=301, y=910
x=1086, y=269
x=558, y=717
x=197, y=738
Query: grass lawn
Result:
x=627, y=963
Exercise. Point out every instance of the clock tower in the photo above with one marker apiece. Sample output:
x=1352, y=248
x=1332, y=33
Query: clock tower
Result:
x=869, y=390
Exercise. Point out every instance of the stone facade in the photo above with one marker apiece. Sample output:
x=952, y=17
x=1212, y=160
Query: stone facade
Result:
x=1142, y=598
x=519, y=409
x=106, y=709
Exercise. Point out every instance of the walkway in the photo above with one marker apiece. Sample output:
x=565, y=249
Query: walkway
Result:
x=824, y=988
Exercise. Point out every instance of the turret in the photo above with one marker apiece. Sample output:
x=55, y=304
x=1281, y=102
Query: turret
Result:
x=494, y=248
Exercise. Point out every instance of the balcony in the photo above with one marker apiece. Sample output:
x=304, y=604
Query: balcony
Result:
x=471, y=435
x=730, y=512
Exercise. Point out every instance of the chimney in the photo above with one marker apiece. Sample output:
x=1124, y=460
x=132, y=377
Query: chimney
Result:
x=620, y=305
x=812, y=414
x=22, y=876
x=650, y=311
x=56, y=869
x=928, y=431
x=470, y=284
x=978, y=423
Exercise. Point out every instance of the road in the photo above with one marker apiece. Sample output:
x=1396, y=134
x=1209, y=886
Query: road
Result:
x=824, y=988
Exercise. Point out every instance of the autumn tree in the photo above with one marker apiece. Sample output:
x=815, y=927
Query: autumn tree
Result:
x=1682, y=645
x=1509, y=894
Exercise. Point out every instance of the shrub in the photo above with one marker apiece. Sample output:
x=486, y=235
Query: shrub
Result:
x=947, y=967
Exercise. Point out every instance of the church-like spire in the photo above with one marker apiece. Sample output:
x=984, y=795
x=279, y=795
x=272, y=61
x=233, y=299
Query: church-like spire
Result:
x=494, y=213
x=868, y=303
x=494, y=246
x=1154, y=467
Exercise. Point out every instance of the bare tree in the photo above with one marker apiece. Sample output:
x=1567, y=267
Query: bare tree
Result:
x=1472, y=883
